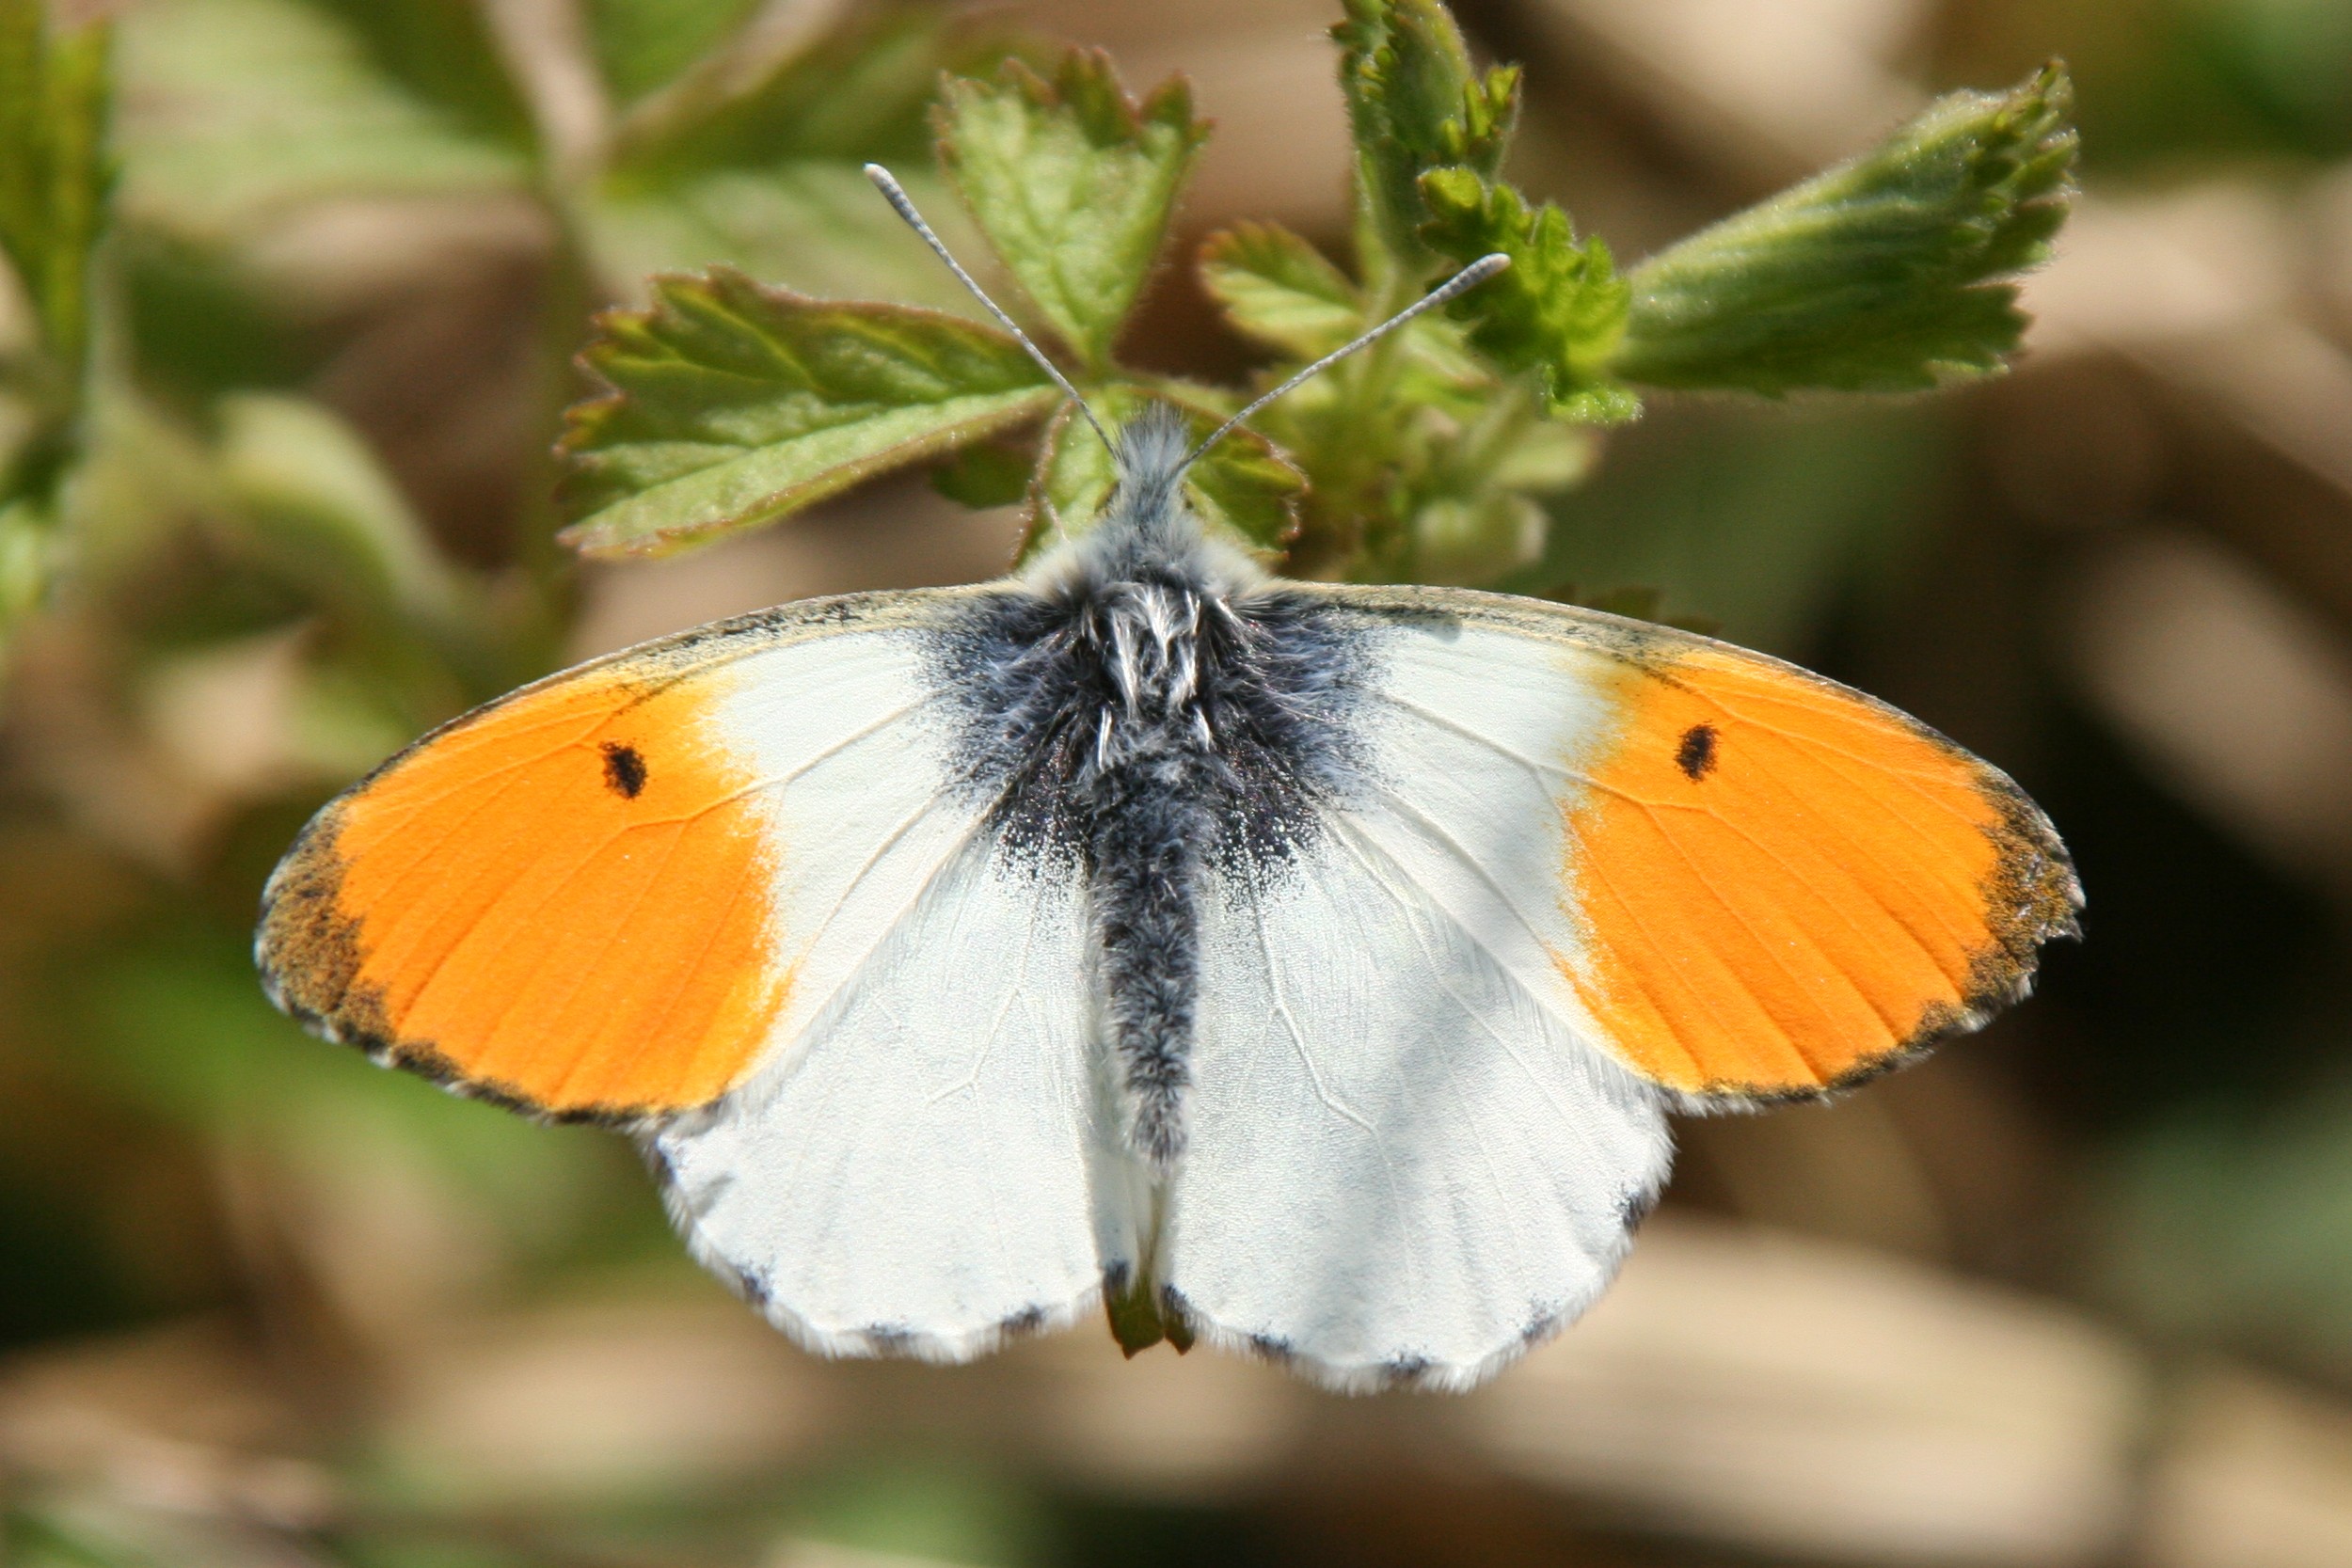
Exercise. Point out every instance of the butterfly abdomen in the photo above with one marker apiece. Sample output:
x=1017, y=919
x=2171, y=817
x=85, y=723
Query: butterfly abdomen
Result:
x=1139, y=715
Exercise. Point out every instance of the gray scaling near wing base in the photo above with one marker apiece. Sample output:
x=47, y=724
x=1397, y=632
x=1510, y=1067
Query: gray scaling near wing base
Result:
x=1151, y=706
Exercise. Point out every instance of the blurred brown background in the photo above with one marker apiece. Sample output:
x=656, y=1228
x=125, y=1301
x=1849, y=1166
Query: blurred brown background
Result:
x=2077, y=1291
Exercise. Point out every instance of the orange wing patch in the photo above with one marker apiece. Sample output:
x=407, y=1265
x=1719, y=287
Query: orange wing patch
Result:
x=562, y=901
x=1787, y=887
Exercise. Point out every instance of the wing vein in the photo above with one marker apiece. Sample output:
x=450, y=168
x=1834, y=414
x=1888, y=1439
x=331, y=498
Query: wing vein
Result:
x=1357, y=843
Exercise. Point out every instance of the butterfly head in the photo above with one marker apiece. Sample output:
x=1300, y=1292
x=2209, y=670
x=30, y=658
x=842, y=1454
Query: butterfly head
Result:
x=1147, y=527
x=1152, y=449
x=1151, y=453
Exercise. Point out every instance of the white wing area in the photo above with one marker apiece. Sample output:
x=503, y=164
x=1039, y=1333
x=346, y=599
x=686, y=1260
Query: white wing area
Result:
x=848, y=741
x=1406, y=1163
x=1477, y=738
x=916, y=1181
x=907, y=1170
x=1400, y=1169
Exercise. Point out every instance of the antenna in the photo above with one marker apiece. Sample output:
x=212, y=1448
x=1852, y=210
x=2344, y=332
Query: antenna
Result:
x=896, y=196
x=1467, y=278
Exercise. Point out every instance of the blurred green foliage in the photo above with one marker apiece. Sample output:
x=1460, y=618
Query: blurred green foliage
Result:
x=54, y=175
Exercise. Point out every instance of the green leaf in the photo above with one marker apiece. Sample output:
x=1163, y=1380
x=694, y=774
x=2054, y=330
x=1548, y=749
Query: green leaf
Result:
x=1466, y=492
x=236, y=112
x=1279, y=289
x=761, y=172
x=730, y=405
x=1415, y=104
x=54, y=171
x=1242, y=485
x=1558, y=310
x=1882, y=274
x=861, y=92
x=816, y=227
x=1073, y=183
x=986, y=474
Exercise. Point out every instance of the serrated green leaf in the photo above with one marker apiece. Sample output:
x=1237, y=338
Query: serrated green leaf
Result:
x=1242, y=485
x=762, y=173
x=237, y=111
x=54, y=172
x=731, y=405
x=1882, y=274
x=1280, y=290
x=1072, y=183
x=1415, y=104
x=1558, y=310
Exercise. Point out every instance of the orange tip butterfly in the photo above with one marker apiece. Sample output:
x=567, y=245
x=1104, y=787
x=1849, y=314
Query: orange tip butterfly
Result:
x=1308, y=968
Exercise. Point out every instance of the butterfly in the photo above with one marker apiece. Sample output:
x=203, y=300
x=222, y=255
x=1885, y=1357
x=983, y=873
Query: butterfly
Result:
x=1306, y=968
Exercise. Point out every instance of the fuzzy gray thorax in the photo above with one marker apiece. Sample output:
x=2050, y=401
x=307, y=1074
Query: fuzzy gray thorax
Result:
x=1145, y=580
x=1153, y=706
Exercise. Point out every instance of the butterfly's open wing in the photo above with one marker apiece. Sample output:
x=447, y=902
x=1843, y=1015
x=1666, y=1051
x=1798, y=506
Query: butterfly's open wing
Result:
x=919, y=1182
x=725, y=890
x=1593, y=869
x=1744, y=881
x=1401, y=1168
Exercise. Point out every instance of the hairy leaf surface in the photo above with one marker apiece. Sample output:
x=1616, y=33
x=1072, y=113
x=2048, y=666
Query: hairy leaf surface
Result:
x=1416, y=103
x=1883, y=274
x=1559, y=309
x=1279, y=289
x=732, y=404
x=1072, y=183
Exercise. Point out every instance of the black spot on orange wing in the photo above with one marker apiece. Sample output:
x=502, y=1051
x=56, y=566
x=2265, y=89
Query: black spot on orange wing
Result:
x=624, y=770
x=1695, y=756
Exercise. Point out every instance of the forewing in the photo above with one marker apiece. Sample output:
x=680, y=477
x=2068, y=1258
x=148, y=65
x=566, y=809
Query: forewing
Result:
x=609, y=895
x=1741, y=880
